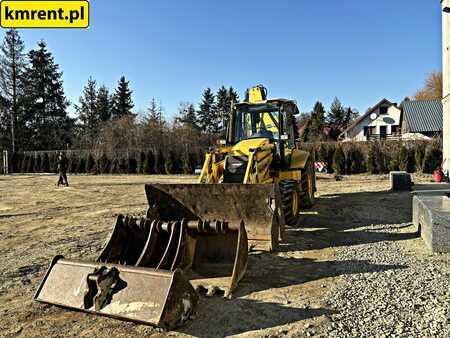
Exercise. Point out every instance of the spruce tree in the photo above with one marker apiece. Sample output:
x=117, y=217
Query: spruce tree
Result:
x=317, y=123
x=87, y=108
x=12, y=66
x=222, y=107
x=104, y=104
x=207, y=114
x=45, y=106
x=122, y=101
x=336, y=118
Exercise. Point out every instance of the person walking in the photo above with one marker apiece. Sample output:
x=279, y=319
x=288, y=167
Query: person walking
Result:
x=62, y=169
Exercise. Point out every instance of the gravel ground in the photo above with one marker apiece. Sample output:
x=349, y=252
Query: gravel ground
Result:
x=408, y=297
x=353, y=268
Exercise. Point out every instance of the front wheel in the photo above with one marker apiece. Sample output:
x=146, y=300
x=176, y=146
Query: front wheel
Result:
x=290, y=195
x=308, y=185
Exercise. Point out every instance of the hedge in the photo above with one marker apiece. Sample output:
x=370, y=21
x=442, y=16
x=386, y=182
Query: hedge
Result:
x=378, y=157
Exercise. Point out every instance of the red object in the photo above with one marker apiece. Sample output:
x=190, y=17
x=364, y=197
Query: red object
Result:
x=438, y=175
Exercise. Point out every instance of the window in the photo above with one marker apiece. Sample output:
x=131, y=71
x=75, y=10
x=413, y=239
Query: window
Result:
x=384, y=110
x=395, y=129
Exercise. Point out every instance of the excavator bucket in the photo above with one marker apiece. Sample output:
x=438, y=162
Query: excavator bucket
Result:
x=149, y=270
x=161, y=298
x=213, y=255
x=258, y=205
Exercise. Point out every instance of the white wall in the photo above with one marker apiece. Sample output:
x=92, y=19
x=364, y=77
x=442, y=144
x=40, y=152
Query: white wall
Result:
x=392, y=118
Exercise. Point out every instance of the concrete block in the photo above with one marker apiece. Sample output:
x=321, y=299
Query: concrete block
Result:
x=431, y=217
x=400, y=181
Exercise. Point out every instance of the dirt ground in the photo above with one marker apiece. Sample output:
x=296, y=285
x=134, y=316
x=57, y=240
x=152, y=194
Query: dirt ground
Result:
x=282, y=294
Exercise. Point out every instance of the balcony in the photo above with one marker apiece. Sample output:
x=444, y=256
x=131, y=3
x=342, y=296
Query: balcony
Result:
x=378, y=137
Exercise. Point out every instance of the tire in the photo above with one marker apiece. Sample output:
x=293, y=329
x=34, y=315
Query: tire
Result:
x=290, y=197
x=308, y=186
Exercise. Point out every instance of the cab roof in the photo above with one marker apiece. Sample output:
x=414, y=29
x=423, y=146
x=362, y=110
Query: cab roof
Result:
x=268, y=105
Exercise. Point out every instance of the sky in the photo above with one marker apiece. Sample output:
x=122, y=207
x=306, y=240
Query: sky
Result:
x=357, y=50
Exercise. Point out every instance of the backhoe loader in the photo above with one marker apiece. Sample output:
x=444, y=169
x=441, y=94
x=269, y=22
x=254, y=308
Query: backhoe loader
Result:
x=194, y=237
x=258, y=174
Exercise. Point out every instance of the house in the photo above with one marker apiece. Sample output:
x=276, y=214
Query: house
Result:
x=422, y=117
x=383, y=121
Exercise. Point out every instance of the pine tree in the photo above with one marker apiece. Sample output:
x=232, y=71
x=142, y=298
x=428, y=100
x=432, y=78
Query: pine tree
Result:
x=12, y=65
x=336, y=118
x=317, y=123
x=122, y=102
x=104, y=104
x=87, y=108
x=350, y=115
x=207, y=114
x=49, y=126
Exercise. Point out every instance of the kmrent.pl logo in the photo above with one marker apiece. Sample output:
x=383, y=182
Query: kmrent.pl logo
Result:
x=44, y=14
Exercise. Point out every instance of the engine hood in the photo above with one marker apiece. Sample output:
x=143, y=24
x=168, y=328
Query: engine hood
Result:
x=244, y=146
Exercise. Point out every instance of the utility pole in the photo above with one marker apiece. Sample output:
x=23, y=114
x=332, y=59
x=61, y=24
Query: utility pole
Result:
x=446, y=83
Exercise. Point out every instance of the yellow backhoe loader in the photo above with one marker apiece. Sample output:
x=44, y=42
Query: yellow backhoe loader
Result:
x=258, y=174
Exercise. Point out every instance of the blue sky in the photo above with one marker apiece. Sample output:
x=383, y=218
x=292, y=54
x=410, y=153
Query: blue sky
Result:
x=359, y=51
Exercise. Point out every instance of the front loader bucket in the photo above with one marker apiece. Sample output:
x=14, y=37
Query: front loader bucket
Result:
x=256, y=204
x=213, y=255
x=161, y=298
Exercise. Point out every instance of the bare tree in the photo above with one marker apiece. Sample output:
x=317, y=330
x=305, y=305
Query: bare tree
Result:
x=432, y=89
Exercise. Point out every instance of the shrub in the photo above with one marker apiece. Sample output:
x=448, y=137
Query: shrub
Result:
x=115, y=168
x=73, y=164
x=53, y=159
x=188, y=163
x=38, y=164
x=169, y=164
x=30, y=166
x=159, y=162
x=432, y=159
x=81, y=167
x=339, y=161
x=141, y=163
x=103, y=164
x=132, y=165
x=355, y=161
x=403, y=158
x=45, y=163
x=418, y=158
x=16, y=162
x=90, y=164
x=123, y=166
x=149, y=165
x=370, y=161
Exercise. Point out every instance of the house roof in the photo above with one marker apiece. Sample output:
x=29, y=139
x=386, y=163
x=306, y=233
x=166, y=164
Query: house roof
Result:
x=367, y=113
x=423, y=115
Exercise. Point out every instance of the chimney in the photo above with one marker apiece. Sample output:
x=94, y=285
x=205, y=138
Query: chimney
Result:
x=446, y=82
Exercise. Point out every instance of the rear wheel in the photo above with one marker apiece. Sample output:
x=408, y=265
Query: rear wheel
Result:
x=290, y=197
x=308, y=186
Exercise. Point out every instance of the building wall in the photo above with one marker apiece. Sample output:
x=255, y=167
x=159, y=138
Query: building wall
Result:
x=392, y=118
x=446, y=84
